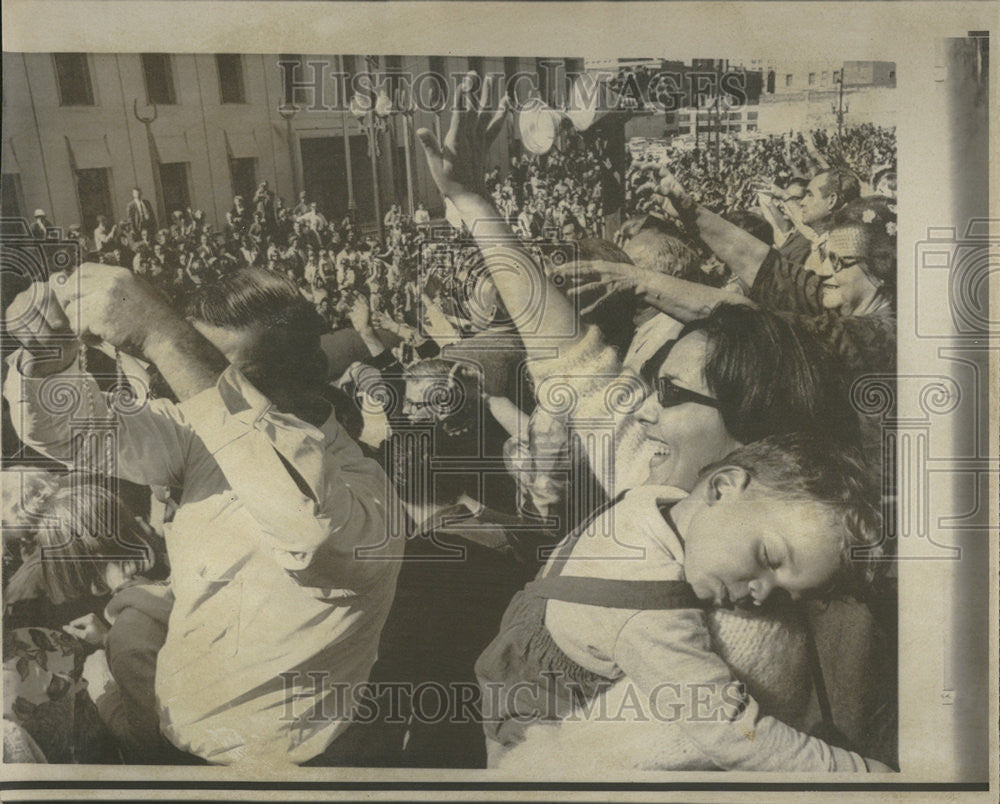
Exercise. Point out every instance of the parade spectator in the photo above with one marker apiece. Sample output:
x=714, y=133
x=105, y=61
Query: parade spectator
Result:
x=139, y=213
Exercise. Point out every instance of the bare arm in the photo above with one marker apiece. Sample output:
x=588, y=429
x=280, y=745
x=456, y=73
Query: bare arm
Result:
x=680, y=299
x=458, y=166
x=738, y=249
x=118, y=307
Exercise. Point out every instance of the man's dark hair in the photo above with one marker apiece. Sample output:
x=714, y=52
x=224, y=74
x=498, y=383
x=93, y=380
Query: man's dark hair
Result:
x=844, y=183
x=769, y=375
x=253, y=298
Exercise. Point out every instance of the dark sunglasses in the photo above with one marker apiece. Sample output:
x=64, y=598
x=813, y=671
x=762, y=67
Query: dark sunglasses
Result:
x=668, y=394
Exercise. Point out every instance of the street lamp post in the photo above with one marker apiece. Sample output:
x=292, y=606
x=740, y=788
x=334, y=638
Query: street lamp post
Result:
x=839, y=108
x=287, y=113
x=372, y=119
x=407, y=129
x=352, y=207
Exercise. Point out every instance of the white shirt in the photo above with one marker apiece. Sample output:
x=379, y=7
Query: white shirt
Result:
x=272, y=578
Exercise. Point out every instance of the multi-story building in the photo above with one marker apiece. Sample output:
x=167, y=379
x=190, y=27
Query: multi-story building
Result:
x=80, y=130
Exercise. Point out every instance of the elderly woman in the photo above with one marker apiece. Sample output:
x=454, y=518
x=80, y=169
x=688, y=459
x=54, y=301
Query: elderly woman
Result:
x=717, y=388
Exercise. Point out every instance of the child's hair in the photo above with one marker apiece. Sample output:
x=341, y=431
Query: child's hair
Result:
x=90, y=529
x=811, y=468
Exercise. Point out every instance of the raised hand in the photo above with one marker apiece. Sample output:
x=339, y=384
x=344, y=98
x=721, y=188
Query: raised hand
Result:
x=90, y=628
x=360, y=313
x=459, y=165
x=604, y=279
x=670, y=193
x=112, y=304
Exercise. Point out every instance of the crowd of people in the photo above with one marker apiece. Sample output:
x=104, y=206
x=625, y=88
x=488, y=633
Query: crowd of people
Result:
x=727, y=178
x=439, y=500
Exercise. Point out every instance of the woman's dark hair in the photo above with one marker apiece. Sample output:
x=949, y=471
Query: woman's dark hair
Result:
x=770, y=376
x=253, y=298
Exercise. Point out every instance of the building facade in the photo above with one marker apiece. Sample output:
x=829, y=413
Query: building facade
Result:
x=194, y=130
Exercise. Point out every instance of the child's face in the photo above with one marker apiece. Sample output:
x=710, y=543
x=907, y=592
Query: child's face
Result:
x=745, y=544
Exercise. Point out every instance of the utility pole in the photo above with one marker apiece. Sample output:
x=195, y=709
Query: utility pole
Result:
x=839, y=109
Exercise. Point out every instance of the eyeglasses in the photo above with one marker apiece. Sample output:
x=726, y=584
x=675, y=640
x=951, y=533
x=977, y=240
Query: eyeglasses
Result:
x=416, y=404
x=839, y=263
x=669, y=395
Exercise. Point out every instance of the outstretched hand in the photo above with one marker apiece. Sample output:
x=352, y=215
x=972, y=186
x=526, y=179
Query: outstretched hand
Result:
x=35, y=318
x=604, y=279
x=459, y=165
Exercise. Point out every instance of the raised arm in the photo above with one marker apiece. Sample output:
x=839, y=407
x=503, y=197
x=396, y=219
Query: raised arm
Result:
x=458, y=166
x=680, y=299
x=738, y=249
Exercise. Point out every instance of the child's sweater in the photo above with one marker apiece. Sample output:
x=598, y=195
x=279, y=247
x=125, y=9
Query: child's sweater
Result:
x=669, y=658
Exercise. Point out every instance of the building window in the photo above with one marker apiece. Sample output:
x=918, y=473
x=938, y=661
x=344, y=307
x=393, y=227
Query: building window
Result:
x=230, y=69
x=352, y=68
x=892, y=75
x=812, y=79
x=510, y=70
x=11, y=203
x=159, y=78
x=93, y=191
x=174, y=184
x=788, y=79
x=244, y=175
x=73, y=78
x=438, y=67
x=300, y=76
x=394, y=82
x=836, y=76
x=825, y=77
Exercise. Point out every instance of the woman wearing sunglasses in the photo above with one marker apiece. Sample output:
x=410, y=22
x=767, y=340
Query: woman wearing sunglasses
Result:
x=734, y=375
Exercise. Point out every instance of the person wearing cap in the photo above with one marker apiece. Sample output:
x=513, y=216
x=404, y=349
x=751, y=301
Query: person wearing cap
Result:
x=39, y=228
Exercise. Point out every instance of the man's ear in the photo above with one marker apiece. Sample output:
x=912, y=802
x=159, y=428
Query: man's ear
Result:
x=726, y=484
